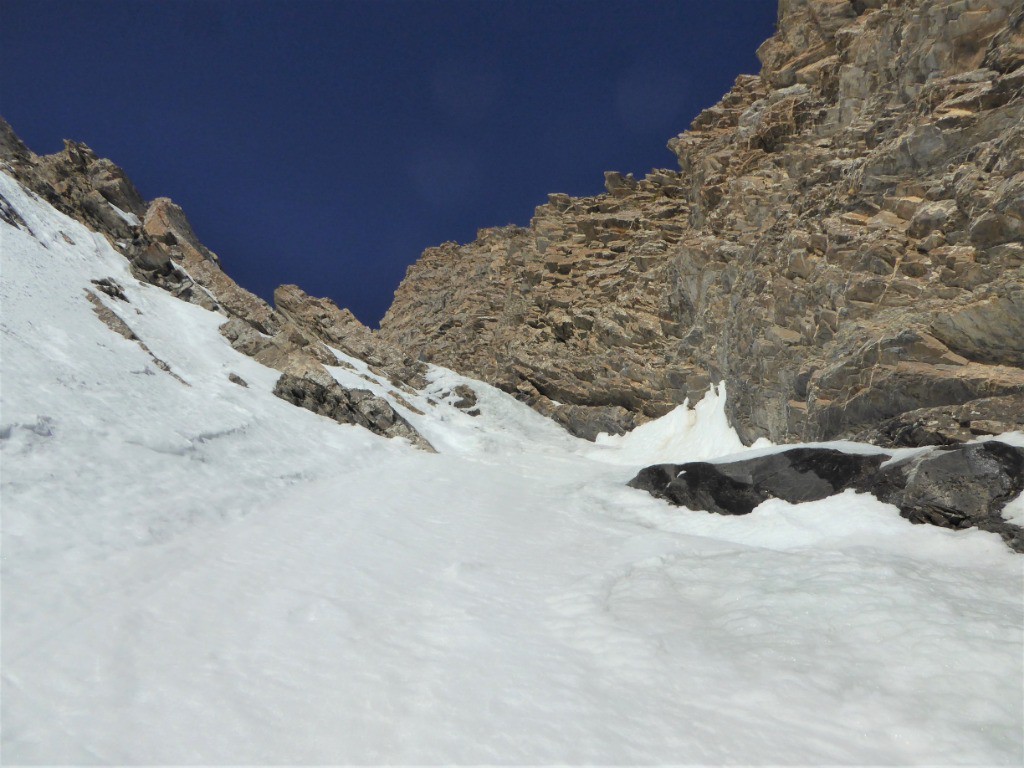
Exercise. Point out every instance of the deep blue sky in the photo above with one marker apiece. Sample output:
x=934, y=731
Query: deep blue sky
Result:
x=328, y=143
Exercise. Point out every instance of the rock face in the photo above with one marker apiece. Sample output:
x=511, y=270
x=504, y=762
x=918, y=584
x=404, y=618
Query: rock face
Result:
x=322, y=319
x=953, y=487
x=842, y=243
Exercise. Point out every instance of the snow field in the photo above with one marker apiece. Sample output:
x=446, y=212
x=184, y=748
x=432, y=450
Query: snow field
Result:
x=207, y=574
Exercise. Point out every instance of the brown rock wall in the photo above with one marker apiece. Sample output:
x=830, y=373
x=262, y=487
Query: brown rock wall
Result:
x=842, y=243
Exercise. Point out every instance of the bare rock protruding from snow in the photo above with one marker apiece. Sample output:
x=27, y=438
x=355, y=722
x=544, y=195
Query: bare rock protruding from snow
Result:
x=320, y=394
x=962, y=487
x=164, y=250
x=843, y=242
x=77, y=182
x=736, y=488
x=287, y=350
x=115, y=323
x=949, y=425
x=953, y=487
x=322, y=319
x=168, y=227
x=156, y=238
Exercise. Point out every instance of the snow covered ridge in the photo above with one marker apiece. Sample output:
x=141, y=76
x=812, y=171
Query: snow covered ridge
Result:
x=196, y=571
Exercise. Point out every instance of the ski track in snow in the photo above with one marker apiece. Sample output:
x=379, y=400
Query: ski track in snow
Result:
x=207, y=574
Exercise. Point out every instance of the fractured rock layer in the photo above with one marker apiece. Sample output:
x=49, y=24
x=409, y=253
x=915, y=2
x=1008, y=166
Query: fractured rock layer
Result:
x=842, y=242
x=295, y=338
x=323, y=395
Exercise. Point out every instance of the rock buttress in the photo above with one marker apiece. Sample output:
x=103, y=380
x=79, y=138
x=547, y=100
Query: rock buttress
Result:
x=842, y=243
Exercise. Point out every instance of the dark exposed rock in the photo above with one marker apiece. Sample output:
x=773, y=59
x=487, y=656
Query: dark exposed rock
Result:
x=952, y=487
x=735, y=488
x=111, y=287
x=989, y=331
x=956, y=487
x=10, y=216
x=322, y=395
x=467, y=397
x=152, y=258
x=590, y=421
x=699, y=485
x=951, y=424
x=464, y=398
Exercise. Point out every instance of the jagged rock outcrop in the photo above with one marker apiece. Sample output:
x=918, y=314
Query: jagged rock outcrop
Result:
x=322, y=319
x=157, y=239
x=319, y=393
x=842, y=243
x=170, y=233
x=952, y=487
x=949, y=425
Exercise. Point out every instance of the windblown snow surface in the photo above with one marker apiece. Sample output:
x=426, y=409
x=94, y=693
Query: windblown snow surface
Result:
x=201, y=573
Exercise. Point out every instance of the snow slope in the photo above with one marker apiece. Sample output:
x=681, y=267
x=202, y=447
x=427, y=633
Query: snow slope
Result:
x=204, y=574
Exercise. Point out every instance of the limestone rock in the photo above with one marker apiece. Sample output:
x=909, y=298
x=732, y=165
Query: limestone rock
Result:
x=157, y=238
x=163, y=249
x=78, y=183
x=287, y=350
x=949, y=425
x=169, y=229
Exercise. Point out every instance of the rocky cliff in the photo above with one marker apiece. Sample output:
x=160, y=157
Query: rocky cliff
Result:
x=842, y=243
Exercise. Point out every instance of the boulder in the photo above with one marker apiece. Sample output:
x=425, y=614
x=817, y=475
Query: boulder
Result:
x=321, y=394
x=959, y=487
x=952, y=486
x=735, y=488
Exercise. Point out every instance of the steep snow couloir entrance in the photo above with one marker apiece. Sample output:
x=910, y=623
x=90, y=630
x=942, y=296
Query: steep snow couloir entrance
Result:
x=195, y=571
